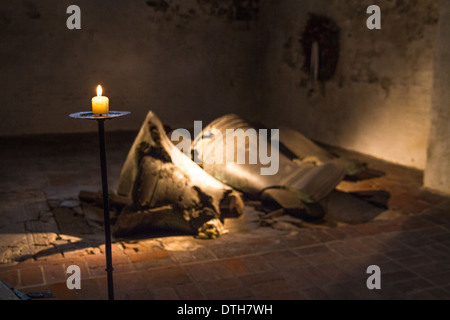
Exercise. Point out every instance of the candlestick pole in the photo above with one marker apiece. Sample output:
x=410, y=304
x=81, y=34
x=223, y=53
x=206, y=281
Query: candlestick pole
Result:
x=104, y=174
x=108, y=254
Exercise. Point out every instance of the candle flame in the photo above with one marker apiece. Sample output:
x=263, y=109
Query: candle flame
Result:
x=99, y=90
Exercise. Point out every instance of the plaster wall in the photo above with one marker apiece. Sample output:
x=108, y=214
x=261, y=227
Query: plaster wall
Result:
x=378, y=101
x=185, y=60
x=437, y=173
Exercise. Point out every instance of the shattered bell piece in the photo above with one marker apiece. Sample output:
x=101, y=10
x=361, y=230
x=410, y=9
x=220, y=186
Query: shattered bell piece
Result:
x=349, y=208
x=303, y=148
x=157, y=174
x=134, y=222
x=306, y=150
x=295, y=185
x=211, y=229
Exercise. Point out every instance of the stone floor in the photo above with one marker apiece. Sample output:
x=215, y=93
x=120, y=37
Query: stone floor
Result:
x=44, y=228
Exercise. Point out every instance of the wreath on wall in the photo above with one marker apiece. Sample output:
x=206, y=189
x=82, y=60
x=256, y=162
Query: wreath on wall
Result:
x=325, y=33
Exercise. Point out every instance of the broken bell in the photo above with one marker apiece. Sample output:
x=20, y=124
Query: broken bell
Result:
x=298, y=183
x=194, y=191
x=169, y=190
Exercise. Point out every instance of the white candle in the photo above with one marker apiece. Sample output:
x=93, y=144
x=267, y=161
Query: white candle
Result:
x=100, y=104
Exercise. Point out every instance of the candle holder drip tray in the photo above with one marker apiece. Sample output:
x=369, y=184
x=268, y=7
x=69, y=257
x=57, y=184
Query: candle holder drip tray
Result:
x=88, y=115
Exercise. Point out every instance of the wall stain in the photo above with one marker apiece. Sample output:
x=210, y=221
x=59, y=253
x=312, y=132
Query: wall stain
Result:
x=326, y=33
x=229, y=10
x=158, y=5
x=31, y=10
x=418, y=13
x=232, y=10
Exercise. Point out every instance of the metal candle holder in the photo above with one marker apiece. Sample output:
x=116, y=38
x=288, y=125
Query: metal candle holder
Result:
x=101, y=138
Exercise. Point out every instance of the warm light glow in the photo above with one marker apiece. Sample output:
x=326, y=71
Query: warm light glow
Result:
x=99, y=90
x=100, y=104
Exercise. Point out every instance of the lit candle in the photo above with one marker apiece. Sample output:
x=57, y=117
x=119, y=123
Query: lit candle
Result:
x=100, y=104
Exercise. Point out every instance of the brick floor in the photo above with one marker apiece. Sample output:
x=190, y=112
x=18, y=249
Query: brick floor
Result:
x=334, y=269
x=412, y=251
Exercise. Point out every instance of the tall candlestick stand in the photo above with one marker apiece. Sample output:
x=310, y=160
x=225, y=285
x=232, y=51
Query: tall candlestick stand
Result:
x=101, y=139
